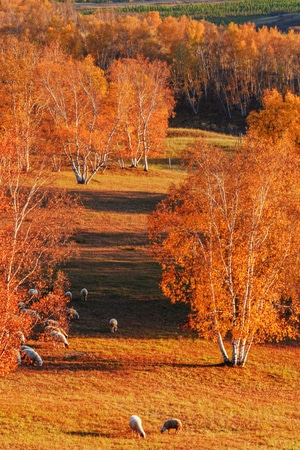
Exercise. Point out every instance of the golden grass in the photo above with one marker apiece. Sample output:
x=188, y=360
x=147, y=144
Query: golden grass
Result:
x=83, y=396
x=179, y=138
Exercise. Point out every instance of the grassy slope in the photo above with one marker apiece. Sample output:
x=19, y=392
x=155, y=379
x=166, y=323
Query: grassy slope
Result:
x=83, y=396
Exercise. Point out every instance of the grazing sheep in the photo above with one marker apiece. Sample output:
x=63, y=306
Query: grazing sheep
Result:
x=57, y=336
x=33, y=292
x=84, y=294
x=113, y=323
x=50, y=328
x=31, y=312
x=21, y=305
x=135, y=423
x=171, y=424
x=30, y=356
x=51, y=323
x=69, y=295
x=72, y=313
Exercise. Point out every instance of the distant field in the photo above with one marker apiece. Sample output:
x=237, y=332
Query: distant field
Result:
x=83, y=396
x=283, y=15
x=282, y=21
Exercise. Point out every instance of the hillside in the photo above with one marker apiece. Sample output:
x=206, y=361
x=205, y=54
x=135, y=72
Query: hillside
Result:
x=83, y=395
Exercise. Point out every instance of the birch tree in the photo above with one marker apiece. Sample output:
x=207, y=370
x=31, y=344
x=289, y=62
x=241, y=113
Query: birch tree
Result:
x=148, y=105
x=21, y=114
x=228, y=243
x=74, y=92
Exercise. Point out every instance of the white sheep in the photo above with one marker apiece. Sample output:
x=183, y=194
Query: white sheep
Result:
x=51, y=322
x=30, y=356
x=72, y=313
x=113, y=323
x=31, y=312
x=57, y=336
x=50, y=328
x=170, y=424
x=69, y=295
x=84, y=294
x=21, y=305
x=135, y=423
x=33, y=292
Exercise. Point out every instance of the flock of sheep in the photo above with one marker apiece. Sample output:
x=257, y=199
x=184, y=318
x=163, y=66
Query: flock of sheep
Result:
x=53, y=331
x=135, y=423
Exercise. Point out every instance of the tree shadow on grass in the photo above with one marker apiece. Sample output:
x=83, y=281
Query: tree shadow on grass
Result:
x=88, y=434
x=73, y=366
x=88, y=239
x=120, y=202
x=112, y=366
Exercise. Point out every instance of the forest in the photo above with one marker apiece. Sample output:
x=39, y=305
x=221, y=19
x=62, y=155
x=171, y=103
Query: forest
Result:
x=223, y=69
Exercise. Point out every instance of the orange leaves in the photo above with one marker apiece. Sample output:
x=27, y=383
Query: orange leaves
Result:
x=74, y=92
x=20, y=114
x=144, y=105
x=279, y=119
x=34, y=235
x=227, y=240
x=96, y=118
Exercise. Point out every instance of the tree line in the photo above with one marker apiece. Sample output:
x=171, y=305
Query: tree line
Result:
x=230, y=65
x=55, y=106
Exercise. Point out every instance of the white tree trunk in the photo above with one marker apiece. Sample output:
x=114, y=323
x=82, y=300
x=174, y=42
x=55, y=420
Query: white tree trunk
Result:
x=222, y=348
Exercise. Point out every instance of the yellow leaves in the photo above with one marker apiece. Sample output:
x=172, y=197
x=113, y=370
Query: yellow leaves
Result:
x=139, y=88
x=279, y=119
x=95, y=75
x=195, y=32
x=226, y=240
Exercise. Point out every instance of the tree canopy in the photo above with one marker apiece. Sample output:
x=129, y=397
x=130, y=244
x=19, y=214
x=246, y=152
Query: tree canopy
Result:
x=228, y=243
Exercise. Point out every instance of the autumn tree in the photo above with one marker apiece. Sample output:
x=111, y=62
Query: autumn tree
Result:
x=118, y=105
x=35, y=227
x=279, y=118
x=74, y=93
x=21, y=111
x=149, y=105
x=228, y=243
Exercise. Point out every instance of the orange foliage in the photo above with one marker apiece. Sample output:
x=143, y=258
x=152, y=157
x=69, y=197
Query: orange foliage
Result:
x=147, y=104
x=35, y=227
x=73, y=92
x=279, y=119
x=228, y=238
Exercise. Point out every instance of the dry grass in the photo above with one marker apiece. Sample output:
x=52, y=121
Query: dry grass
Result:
x=179, y=138
x=83, y=396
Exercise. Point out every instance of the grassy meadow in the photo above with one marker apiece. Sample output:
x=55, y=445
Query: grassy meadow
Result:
x=83, y=396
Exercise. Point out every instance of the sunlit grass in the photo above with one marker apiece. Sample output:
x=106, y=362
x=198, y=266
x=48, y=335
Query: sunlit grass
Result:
x=186, y=136
x=83, y=396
